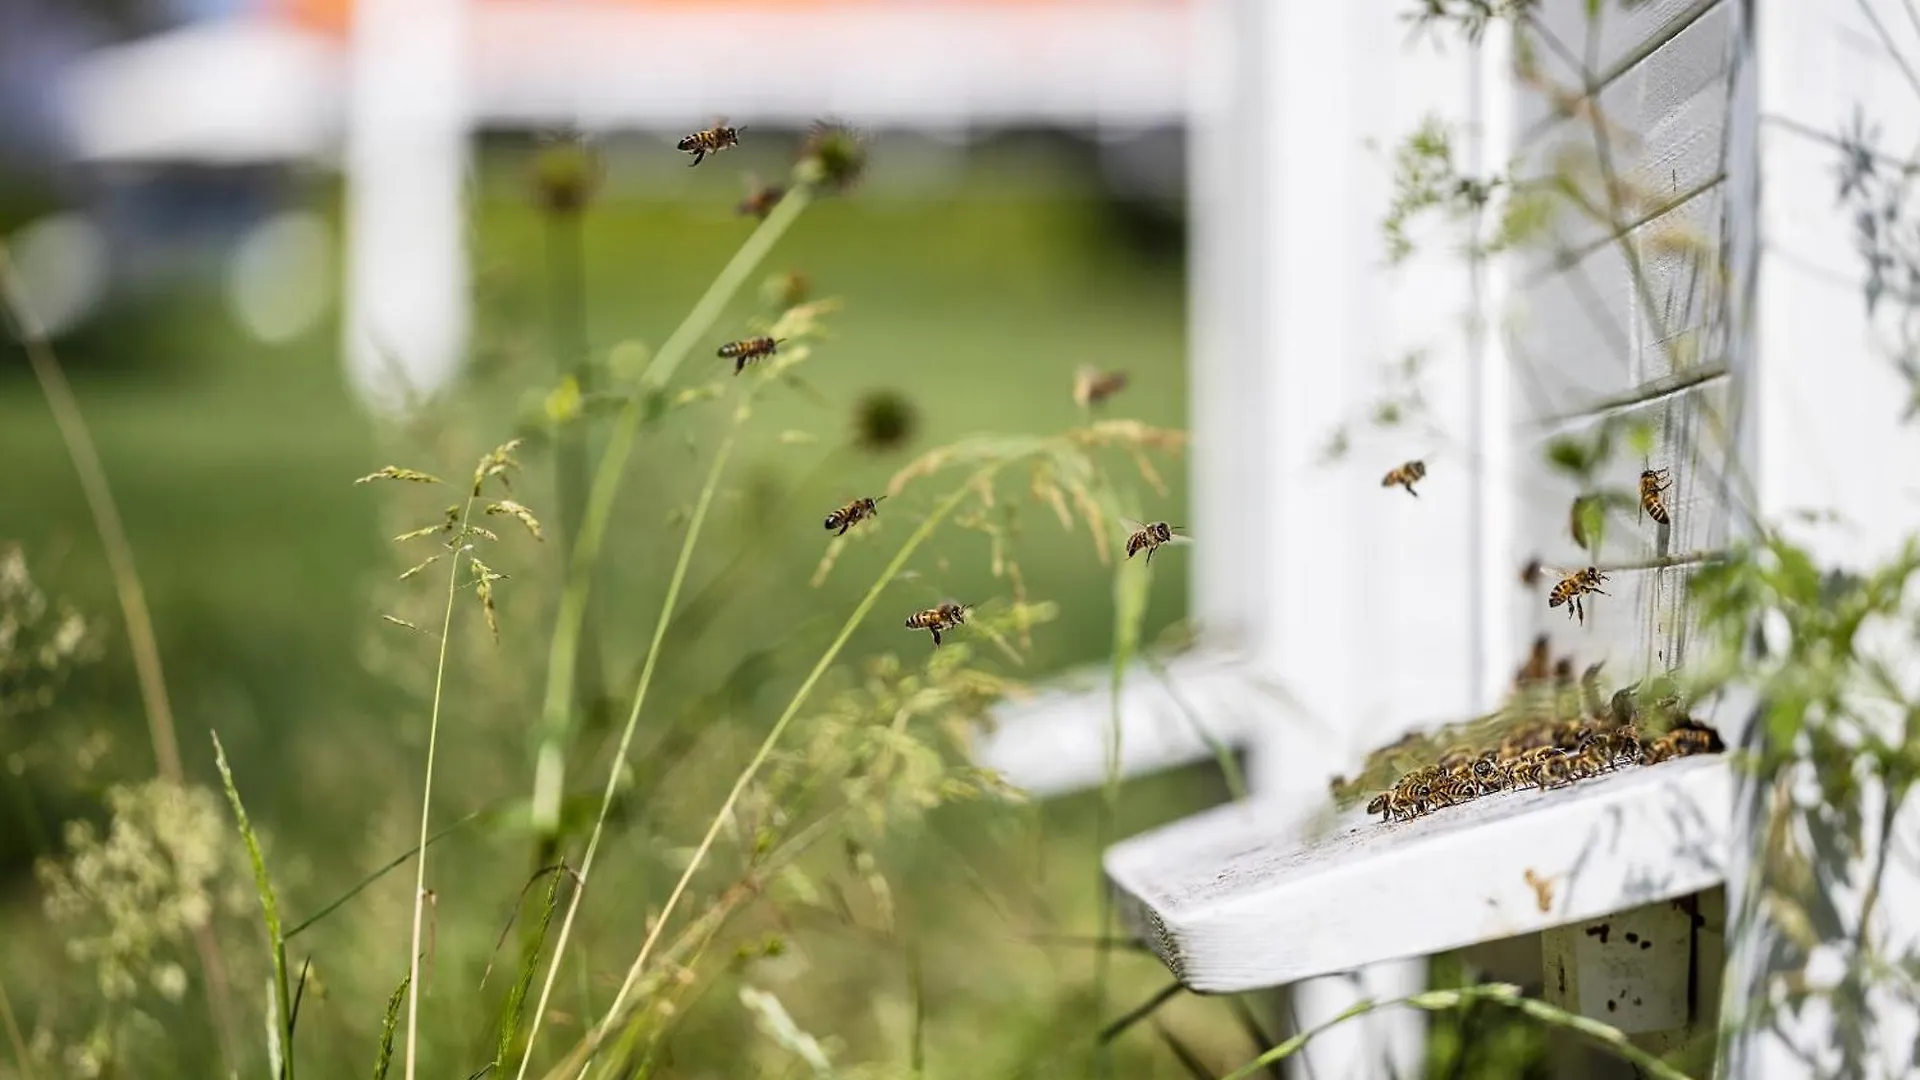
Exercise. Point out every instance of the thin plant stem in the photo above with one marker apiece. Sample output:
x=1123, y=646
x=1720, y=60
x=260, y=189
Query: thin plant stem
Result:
x=426, y=795
x=1609, y=1038
x=14, y=1036
x=550, y=760
x=141, y=640
x=660, y=624
x=566, y=266
x=1130, y=588
x=939, y=513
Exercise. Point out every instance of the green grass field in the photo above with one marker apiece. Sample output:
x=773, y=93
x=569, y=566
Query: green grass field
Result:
x=265, y=565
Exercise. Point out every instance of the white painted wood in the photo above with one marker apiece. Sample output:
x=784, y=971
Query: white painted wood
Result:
x=655, y=67
x=1056, y=742
x=1630, y=969
x=1823, y=404
x=1230, y=906
x=406, y=259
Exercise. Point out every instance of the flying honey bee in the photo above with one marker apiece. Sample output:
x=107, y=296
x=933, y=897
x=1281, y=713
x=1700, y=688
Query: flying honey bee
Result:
x=1530, y=573
x=745, y=352
x=852, y=514
x=761, y=200
x=1149, y=536
x=1652, y=483
x=1406, y=476
x=1572, y=587
x=1091, y=386
x=709, y=141
x=935, y=619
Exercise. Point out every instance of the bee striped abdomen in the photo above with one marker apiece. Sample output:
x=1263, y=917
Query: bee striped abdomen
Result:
x=1405, y=476
x=745, y=352
x=1652, y=483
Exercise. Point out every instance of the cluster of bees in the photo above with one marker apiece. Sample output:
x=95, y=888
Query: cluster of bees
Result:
x=1091, y=387
x=1575, y=582
x=1550, y=734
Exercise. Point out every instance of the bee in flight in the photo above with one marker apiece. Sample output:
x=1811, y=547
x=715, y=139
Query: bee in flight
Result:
x=1572, y=587
x=1652, y=483
x=1091, y=386
x=710, y=141
x=1148, y=537
x=935, y=619
x=746, y=352
x=1406, y=476
x=760, y=201
x=852, y=514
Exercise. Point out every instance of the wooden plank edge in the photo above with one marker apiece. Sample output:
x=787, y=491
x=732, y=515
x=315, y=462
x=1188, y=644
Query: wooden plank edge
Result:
x=1464, y=875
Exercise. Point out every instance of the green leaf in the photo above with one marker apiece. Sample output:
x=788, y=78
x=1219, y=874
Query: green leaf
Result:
x=279, y=1007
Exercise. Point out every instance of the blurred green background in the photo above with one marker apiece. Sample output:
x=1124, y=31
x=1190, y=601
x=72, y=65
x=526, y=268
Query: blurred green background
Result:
x=975, y=297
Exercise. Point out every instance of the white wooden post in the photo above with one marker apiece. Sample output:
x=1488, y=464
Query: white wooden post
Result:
x=406, y=149
x=1822, y=419
x=1310, y=573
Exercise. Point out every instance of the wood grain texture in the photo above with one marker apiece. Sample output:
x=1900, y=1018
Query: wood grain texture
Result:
x=1641, y=626
x=1571, y=49
x=1658, y=131
x=1593, y=329
x=1229, y=907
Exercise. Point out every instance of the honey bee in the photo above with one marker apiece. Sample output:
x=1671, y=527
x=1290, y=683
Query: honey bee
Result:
x=935, y=619
x=1652, y=483
x=1575, y=584
x=1687, y=737
x=1379, y=804
x=852, y=514
x=710, y=141
x=1406, y=476
x=1539, y=662
x=1091, y=386
x=760, y=201
x=745, y=352
x=1530, y=573
x=1149, y=537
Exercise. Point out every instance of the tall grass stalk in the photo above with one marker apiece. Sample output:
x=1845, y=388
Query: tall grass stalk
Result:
x=426, y=794
x=660, y=624
x=270, y=914
x=141, y=640
x=939, y=513
x=14, y=1036
x=1608, y=1037
x=647, y=400
x=1131, y=584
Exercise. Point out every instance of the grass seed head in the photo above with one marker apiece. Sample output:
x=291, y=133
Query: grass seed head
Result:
x=519, y=513
x=884, y=420
x=833, y=157
x=395, y=472
x=566, y=173
x=496, y=463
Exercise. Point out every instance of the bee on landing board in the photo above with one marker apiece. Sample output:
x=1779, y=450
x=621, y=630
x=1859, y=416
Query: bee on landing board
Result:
x=935, y=619
x=1406, y=476
x=852, y=514
x=1572, y=587
x=710, y=141
x=1652, y=483
x=1149, y=536
x=746, y=352
x=1091, y=386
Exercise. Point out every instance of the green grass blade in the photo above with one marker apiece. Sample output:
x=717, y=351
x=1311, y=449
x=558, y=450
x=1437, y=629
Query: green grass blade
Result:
x=516, y=1002
x=388, y=1025
x=281, y=1007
